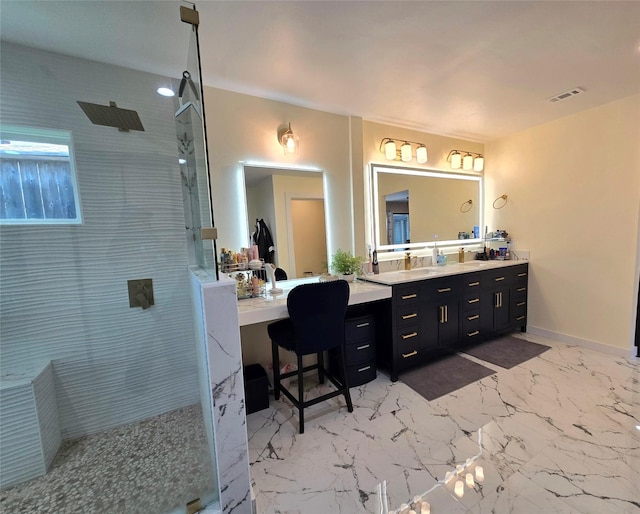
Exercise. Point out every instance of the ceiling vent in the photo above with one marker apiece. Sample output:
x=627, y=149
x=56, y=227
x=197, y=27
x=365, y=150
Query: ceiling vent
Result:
x=567, y=94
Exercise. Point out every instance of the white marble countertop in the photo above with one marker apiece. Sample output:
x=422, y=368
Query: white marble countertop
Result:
x=257, y=310
x=391, y=278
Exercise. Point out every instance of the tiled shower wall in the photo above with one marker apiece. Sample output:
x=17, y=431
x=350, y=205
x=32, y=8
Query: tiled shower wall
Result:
x=63, y=289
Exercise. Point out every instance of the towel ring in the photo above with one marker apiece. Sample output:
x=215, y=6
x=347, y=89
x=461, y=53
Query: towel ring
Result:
x=462, y=207
x=503, y=197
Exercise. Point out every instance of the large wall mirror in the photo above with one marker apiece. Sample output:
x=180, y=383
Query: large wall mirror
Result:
x=412, y=208
x=291, y=202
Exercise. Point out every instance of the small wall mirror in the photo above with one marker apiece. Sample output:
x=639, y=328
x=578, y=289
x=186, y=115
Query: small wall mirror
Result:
x=412, y=208
x=291, y=201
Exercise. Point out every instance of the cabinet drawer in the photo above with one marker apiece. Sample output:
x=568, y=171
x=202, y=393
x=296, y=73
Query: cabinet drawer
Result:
x=470, y=322
x=471, y=301
x=521, y=274
x=358, y=329
x=407, y=314
x=406, y=295
x=440, y=288
x=519, y=310
x=361, y=374
x=360, y=352
x=493, y=278
x=520, y=290
x=471, y=282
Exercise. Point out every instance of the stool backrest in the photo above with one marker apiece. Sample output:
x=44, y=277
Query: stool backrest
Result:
x=317, y=312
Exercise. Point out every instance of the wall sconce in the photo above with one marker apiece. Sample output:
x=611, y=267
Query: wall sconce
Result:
x=391, y=152
x=288, y=140
x=466, y=160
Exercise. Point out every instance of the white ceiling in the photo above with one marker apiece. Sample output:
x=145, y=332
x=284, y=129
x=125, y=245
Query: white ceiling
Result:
x=472, y=69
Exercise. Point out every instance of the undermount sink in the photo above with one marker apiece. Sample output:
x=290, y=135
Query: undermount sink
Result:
x=475, y=263
x=419, y=271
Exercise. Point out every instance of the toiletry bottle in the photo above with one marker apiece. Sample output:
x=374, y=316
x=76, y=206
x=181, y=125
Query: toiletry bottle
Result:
x=507, y=255
x=376, y=268
x=434, y=255
x=370, y=267
x=461, y=255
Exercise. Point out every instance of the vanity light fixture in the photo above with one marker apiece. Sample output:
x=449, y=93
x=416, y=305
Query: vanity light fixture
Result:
x=389, y=147
x=468, y=161
x=288, y=140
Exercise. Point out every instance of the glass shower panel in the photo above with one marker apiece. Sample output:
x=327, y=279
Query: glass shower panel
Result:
x=100, y=403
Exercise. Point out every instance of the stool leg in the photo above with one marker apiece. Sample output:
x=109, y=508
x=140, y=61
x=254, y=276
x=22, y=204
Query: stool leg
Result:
x=300, y=394
x=321, y=367
x=345, y=380
x=275, y=356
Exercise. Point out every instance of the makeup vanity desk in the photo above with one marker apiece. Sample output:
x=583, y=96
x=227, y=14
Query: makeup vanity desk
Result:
x=271, y=308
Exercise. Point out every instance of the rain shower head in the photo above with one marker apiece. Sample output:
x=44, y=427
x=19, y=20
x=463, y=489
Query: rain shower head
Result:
x=112, y=116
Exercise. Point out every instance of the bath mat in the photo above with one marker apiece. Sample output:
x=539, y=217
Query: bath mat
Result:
x=506, y=352
x=444, y=376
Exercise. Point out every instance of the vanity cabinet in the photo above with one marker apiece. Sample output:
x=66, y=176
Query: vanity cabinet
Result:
x=440, y=315
x=495, y=308
x=360, y=350
x=425, y=320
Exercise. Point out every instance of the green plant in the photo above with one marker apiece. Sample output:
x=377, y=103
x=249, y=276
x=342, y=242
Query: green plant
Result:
x=344, y=263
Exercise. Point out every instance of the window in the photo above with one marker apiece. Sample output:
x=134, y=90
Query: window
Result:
x=37, y=177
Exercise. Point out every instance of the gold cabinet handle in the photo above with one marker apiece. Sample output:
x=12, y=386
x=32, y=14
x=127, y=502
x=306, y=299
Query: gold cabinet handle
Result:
x=446, y=314
x=471, y=318
x=474, y=300
x=441, y=314
x=519, y=318
x=360, y=325
x=360, y=370
x=497, y=298
x=471, y=284
x=520, y=304
x=520, y=289
x=444, y=290
x=474, y=333
x=363, y=347
x=414, y=352
x=409, y=296
x=498, y=279
x=409, y=316
x=408, y=336
x=522, y=274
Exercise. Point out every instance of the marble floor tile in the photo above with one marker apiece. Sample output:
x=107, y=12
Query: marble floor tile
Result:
x=556, y=434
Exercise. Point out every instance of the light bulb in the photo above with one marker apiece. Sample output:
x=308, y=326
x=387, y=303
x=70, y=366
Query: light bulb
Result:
x=291, y=145
x=456, y=160
x=467, y=162
x=478, y=163
x=479, y=473
x=405, y=152
x=459, y=489
x=390, y=151
x=421, y=154
x=469, y=480
x=165, y=91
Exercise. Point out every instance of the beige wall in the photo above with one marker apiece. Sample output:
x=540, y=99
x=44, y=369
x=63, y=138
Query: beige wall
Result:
x=573, y=189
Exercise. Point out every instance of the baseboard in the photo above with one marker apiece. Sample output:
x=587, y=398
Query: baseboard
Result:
x=585, y=343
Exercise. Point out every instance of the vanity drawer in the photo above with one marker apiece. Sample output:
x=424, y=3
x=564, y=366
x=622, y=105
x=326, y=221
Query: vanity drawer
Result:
x=521, y=274
x=406, y=295
x=359, y=329
x=360, y=351
x=470, y=325
x=519, y=309
x=471, y=301
x=361, y=374
x=407, y=314
x=441, y=288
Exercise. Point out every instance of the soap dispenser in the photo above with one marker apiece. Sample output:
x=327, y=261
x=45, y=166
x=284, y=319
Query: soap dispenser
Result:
x=407, y=261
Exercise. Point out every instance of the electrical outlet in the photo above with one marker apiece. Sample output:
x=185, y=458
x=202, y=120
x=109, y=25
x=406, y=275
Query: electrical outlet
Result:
x=520, y=255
